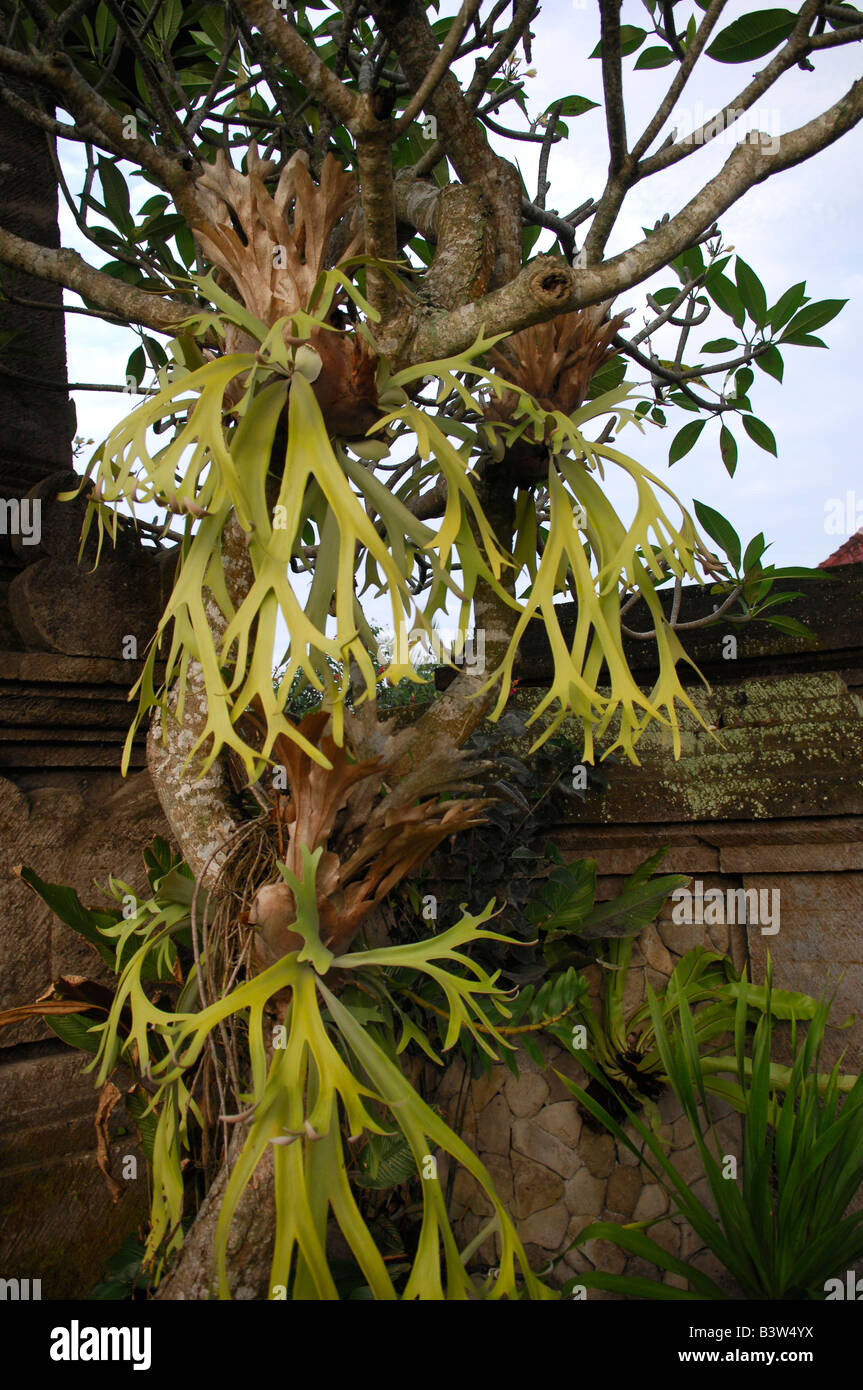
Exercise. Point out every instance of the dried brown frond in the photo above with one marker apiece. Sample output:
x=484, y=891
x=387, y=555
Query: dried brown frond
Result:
x=374, y=830
x=273, y=248
x=555, y=362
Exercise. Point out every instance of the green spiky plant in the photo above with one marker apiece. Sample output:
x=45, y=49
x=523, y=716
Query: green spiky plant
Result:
x=780, y=1225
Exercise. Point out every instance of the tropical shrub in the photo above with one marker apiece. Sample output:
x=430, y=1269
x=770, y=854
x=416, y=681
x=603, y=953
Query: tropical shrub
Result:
x=780, y=1222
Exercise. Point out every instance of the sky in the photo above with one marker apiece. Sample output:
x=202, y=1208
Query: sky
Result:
x=803, y=224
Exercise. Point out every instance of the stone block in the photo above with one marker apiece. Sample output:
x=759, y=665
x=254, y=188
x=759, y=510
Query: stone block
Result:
x=531, y=1140
x=563, y=1121
x=585, y=1195
x=493, y=1127
x=624, y=1190
x=546, y=1228
x=526, y=1094
x=535, y=1187
x=653, y=1202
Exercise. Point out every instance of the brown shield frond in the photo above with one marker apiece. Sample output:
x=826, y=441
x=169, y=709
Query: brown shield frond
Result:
x=374, y=829
x=274, y=247
x=555, y=362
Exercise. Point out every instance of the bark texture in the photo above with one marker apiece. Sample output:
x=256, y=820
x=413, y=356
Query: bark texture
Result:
x=250, y=1244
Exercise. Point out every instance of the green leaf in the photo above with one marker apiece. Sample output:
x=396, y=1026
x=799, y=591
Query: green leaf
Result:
x=566, y=897
x=791, y=626
x=533, y=1049
x=720, y=345
x=647, y=867
x=610, y=375
x=684, y=402
x=104, y=27
x=65, y=904
x=386, y=1161
x=770, y=361
x=728, y=449
x=752, y=36
x=631, y=38
x=665, y=296
x=136, y=365
x=575, y=106
x=73, y=1029
x=754, y=550
x=743, y=379
x=751, y=292
x=529, y=237
x=116, y=196
x=760, y=433
x=185, y=245
x=726, y=297
x=685, y=440
x=632, y=910
x=158, y=358
x=786, y=305
x=813, y=316
x=658, y=57
x=804, y=340
x=719, y=529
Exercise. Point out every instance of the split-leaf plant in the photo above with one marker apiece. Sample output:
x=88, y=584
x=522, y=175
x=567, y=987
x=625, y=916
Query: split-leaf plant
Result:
x=371, y=392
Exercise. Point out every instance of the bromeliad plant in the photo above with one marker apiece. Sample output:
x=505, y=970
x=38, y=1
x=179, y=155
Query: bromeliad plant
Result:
x=782, y=1226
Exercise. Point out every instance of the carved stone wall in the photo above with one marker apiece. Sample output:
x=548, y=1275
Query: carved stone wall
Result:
x=768, y=796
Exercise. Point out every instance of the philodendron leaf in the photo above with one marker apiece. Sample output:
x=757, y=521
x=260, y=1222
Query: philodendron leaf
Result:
x=626, y=915
x=566, y=897
x=65, y=904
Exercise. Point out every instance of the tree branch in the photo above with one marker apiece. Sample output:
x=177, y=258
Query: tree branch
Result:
x=55, y=71
x=681, y=77
x=612, y=82
x=548, y=286
x=375, y=168
x=439, y=67
x=405, y=25
x=795, y=48
x=200, y=809
x=285, y=39
x=64, y=267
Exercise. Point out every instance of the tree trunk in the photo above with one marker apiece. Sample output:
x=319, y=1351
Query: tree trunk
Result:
x=250, y=1246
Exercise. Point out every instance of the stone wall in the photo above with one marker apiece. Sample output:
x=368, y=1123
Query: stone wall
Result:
x=768, y=796
x=556, y=1171
x=58, y=1222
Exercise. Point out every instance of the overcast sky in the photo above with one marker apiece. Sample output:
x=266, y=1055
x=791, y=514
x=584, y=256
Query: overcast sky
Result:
x=803, y=224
